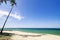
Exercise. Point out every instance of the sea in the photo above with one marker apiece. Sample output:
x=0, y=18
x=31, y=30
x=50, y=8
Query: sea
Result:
x=54, y=31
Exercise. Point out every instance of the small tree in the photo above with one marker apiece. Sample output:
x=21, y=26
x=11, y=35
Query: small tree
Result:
x=12, y=4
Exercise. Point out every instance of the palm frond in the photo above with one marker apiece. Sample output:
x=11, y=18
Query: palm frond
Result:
x=12, y=2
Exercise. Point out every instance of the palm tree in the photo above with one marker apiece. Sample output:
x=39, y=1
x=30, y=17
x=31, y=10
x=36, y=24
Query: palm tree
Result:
x=12, y=4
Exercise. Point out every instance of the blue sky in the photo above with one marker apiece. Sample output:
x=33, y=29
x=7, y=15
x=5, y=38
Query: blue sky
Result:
x=32, y=14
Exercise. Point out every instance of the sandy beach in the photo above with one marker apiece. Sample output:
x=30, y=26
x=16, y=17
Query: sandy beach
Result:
x=18, y=35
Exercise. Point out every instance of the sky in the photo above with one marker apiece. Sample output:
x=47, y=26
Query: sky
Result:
x=31, y=14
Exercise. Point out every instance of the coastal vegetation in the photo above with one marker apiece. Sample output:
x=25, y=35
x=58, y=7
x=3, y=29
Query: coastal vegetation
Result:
x=6, y=36
x=12, y=2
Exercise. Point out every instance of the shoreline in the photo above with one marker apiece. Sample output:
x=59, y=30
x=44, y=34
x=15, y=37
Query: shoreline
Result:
x=54, y=31
x=19, y=35
x=35, y=32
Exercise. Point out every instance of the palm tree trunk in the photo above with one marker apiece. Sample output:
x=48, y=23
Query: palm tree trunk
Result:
x=6, y=21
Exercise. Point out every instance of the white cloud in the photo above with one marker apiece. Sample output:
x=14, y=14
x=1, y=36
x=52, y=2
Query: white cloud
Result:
x=14, y=15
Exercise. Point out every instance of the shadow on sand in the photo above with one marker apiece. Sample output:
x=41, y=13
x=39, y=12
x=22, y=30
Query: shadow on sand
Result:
x=31, y=35
x=5, y=36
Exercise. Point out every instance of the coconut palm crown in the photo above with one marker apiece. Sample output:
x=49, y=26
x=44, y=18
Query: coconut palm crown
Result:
x=11, y=1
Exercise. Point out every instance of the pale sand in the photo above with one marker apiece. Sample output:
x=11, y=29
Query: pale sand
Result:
x=18, y=35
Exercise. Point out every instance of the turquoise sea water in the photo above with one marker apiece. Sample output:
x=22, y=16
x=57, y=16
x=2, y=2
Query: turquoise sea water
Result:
x=55, y=31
